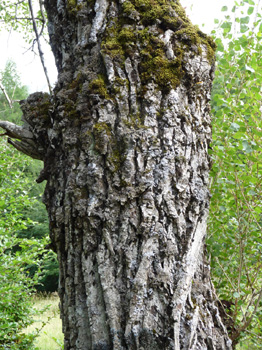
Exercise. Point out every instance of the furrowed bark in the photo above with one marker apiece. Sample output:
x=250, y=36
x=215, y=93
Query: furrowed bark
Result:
x=125, y=144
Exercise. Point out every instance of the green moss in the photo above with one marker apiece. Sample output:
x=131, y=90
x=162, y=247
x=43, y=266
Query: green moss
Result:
x=180, y=12
x=101, y=127
x=77, y=82
x=112, y=47
x=72, y=3
x=209, y=43
x=116, y=159
x=135, y=121
x=71, y=6
x=111, y=44
x=128, y=8
x=122, y=39
x=116, y=155
x=126, y=35
x=42, y=109
x=188, y=35
x=45, y=105
x=98, y=86
x=150, y=10
x=121, y=82
x=70, y=109
x=118, y=85
x=166, y=73
x=102, y=135
x=193, y=35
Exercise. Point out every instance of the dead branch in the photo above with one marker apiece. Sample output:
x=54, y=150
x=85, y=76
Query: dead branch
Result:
x=41, y=54
x=15, y=131
x=6, y=95
x=43, y=17
x=27, y=148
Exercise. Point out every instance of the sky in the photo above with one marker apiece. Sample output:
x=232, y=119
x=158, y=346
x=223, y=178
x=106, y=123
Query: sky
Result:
x=28, y=64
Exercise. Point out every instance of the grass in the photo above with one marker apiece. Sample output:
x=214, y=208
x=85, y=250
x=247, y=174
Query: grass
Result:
x=50, y=336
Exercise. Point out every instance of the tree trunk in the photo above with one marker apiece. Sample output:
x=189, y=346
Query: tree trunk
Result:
x=124, y=140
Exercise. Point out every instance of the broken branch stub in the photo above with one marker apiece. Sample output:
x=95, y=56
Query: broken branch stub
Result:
x=32, y=137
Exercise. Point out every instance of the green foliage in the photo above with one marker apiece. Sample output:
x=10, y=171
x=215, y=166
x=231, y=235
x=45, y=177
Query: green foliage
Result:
x=236, y=206
x=16, y=16
x=15, y=255
x=16, y=287
x=16, y=92
x=48, y=278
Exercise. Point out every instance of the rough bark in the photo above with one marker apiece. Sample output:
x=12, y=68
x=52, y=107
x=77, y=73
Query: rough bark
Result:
x=124, y=140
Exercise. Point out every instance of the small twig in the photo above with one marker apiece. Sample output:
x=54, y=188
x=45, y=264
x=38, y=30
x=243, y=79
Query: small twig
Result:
x=228, y=278
x=255, y=334
x=250, y=318
x=43, y=17
x=6, y=95
x=16, y=6
x=24, y=19
x=41, y=54
x=13, y=94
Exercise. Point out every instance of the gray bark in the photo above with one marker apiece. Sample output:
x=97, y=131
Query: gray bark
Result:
x=124, y=140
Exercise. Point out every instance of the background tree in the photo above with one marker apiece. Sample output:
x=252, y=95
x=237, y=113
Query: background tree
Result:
x=16, y=92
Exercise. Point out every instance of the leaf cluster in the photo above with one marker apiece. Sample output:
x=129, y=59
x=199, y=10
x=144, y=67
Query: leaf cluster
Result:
x=16, y=15
x=236, y=207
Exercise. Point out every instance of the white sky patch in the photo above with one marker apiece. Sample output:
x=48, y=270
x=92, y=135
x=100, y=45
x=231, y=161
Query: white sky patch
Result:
x=205, y=11
x=13, y=47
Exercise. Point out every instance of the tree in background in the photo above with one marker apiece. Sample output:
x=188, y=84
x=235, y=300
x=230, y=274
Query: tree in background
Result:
x=235, y=223
x=16, y=92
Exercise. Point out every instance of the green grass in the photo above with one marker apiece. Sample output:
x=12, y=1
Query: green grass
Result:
x=50, y=335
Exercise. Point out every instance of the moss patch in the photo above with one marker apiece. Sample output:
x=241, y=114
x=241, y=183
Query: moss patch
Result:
x=129, y=8
x=40, y=109
x=70, y=109
x=116, y=159
x=44, y=106
x=98, y=86
x=106, y=143
x=102, y=128
x=71, y=6
x=123, y=38
x=166, y=73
